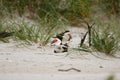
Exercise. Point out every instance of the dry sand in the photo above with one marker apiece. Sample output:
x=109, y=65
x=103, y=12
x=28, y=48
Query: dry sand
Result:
x=32, y=63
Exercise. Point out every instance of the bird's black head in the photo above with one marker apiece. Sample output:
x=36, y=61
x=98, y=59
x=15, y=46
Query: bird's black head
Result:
x=66, y=31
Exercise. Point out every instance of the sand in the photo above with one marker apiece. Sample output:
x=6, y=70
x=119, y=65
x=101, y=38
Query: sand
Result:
x=33, y=63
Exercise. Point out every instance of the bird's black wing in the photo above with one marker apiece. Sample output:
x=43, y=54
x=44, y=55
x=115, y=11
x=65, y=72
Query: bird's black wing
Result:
x=5, y=34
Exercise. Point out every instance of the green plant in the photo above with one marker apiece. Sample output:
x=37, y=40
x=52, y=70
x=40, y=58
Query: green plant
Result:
x=41, y=32
x=110, y=6
x=68, y=9
x=111, y=77
x=112, y=23
x=3, y=29
x=103, y=39
x=104, y=42
x=27, y=33
x=76, y=9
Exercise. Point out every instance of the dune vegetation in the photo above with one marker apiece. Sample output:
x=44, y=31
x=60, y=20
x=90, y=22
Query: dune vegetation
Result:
x=51, y=16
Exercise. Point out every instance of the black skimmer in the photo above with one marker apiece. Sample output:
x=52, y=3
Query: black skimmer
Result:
x=62, y=38
x=64, y=35
x=6, y=34
x=56, y=42
x=61, y=41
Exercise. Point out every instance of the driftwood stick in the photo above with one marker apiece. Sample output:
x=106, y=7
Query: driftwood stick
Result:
x=83, y=39
x=65, y=70
x=89, y=33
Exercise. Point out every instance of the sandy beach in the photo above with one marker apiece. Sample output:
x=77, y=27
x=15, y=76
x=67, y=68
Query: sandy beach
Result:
x=33, y=63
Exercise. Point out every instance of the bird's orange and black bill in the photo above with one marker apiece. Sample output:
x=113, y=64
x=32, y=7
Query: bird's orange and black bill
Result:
x=54, y=41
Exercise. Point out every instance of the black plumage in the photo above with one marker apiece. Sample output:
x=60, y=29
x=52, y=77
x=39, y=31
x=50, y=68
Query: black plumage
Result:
x=60, y=36
x=6, y=34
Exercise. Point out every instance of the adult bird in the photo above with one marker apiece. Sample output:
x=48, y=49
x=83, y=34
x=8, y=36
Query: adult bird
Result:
x=6, y=34
x=64, y=36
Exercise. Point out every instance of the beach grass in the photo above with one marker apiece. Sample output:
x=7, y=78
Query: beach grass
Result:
x=104, y=38
x=33, y=32
x=105, y=42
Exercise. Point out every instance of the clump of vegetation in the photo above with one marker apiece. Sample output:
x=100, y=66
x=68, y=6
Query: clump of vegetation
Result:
x=104, y=42
x=111, y=77
x=40, y=33
x=1, y=27
x=3, y=33
x=112, y=23
x=107, y=30
x=110, y=6
x=76, y=9
x=28, y=32
x=68, y=9
x=52, y=15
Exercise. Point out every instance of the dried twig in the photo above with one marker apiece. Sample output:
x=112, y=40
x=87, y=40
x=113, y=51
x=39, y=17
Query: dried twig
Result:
x=89, y=32
x=65, y=70
x=83, y=39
